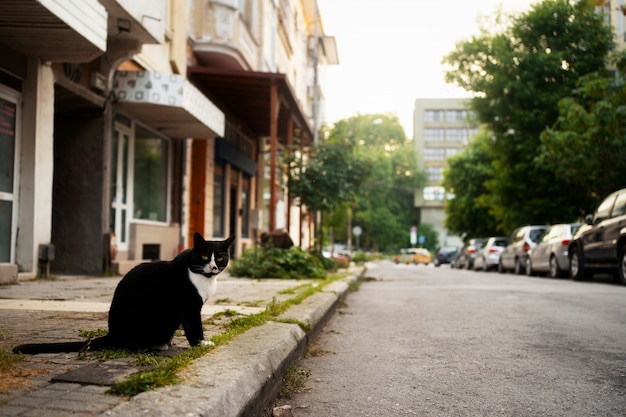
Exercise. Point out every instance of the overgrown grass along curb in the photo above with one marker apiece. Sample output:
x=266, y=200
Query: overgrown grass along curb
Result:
x=165, y=370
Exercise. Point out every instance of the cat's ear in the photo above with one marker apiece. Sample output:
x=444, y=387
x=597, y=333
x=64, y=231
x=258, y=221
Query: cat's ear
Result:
x=229, y=241
x=198, y=240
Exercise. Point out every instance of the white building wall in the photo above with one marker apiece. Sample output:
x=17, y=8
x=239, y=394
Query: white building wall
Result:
x=36, y=165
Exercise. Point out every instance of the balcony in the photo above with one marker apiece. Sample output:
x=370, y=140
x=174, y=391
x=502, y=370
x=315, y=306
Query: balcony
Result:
x=54, y=30
x=168, y=103
x=221, y=37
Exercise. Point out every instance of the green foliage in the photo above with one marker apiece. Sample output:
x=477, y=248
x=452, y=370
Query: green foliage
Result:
x=384, y=208
x=517, y=78
x=330, y=178
x=586, y=147
x=271, y=262
x=8, y=360
x=467, y=213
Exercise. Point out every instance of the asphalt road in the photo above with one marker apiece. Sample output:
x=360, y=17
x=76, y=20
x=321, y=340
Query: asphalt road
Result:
x=425, y=341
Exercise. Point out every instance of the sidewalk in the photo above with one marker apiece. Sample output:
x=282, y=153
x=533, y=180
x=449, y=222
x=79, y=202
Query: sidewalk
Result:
x=236, y=379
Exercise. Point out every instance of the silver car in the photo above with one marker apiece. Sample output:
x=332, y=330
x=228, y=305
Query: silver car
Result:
x=550, y=256
x=514, y=256
x=489, y=256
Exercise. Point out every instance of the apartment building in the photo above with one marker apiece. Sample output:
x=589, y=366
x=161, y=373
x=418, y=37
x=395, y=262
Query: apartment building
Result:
x=441, y=129
x=127, y=125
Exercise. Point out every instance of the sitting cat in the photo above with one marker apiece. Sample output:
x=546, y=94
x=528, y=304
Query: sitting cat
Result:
x=154, y=299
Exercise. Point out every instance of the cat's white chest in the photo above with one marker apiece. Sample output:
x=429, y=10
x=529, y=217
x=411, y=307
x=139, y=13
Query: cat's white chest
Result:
x=205, y=286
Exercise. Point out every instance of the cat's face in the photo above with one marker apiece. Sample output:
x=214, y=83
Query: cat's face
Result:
x=209, y=258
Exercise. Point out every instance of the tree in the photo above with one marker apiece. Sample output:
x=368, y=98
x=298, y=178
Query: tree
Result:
x=518, y=77
x=586, y=147
x=380, y=199
x=467, y=212
x=385, y=208
x=330, y=178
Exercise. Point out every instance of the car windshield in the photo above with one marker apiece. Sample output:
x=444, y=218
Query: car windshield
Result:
x=500, y=242
x=535, y=234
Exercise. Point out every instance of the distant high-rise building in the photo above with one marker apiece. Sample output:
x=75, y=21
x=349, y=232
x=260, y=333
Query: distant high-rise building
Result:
x=442, y=128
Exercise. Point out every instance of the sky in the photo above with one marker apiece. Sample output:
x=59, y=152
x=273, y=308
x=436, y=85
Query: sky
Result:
x=390, y=51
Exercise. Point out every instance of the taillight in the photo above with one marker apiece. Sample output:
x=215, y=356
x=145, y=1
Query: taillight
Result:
x=472, y=250
x=526, y=247
x=565, y=242
x=493, y=250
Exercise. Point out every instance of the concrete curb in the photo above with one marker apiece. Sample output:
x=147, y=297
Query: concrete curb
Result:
x=241, y=378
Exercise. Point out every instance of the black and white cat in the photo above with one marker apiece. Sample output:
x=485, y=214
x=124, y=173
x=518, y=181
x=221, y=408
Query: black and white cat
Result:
x=153, y=300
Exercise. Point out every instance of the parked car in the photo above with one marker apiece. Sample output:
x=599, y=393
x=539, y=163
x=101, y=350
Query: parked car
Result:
x=600, y=244
x=446, y=255
x=489, y=256
x=550, y=256
x=413, y=256
x=523, y=239
x=467, y=254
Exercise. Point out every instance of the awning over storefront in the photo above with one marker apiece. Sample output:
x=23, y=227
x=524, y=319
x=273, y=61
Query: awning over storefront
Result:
x=247, y=95
x=60, y=31
x=265, y=104
x=168, y=103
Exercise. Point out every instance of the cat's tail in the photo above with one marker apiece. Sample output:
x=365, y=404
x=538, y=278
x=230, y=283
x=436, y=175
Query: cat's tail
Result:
x=34, y=348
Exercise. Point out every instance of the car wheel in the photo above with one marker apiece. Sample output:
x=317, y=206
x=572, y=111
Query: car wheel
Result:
x=501, y=268
x=577, y=266
x=555, y=271
x=519, y=268
x=529, y=268
x=621, y=268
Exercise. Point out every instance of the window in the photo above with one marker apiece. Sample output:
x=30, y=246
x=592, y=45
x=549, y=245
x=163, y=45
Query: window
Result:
x=434, y=135
x=434, y=115
x=456, y=115
x=218, y=200
x=245, y=207
x=434, y=154
x=151, y=172
x=456, y=135
x=602, y=213
x=140, y=178
x=620, y=206
x=434, y=173
x=451, y=152
x=9, y=136
x=434, y=193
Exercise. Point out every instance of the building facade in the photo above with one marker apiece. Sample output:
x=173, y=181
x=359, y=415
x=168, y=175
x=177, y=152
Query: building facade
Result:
x=441, y=129
x=127, y=125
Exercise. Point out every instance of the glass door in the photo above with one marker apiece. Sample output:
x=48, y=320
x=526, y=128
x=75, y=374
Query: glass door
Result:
x=121, y=184
x=9, y=149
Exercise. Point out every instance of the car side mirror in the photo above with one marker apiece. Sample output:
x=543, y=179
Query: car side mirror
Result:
x=589, y=219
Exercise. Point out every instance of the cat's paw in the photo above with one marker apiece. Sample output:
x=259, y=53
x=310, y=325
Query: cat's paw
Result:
x=207, y=343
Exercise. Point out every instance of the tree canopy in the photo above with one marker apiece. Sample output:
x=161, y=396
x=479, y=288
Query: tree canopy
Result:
x=586, y=147
x=367, y=168
x=517, y=78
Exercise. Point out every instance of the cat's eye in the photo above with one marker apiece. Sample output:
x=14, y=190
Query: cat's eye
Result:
x=204, y=257
x=220, y=259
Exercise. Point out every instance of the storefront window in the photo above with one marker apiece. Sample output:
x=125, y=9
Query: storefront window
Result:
x=151, y=171
x=245, y=207
x=8, y=197
x=218, y=200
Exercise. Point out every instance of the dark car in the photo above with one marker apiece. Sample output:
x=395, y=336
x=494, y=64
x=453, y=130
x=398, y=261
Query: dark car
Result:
x=446, y=255
x=465, y=258
x=600, y=244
